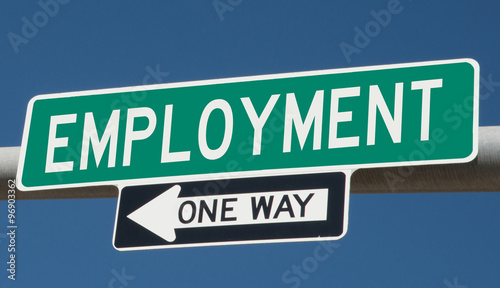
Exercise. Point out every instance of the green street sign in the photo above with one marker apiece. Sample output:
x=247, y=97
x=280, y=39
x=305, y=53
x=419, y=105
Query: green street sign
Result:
x=293, y=123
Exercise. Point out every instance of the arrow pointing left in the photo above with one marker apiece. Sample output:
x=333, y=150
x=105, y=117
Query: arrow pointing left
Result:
x=161, y=207
x=168, y=212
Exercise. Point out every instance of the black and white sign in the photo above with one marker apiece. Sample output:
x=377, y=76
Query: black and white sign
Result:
x=309, y=207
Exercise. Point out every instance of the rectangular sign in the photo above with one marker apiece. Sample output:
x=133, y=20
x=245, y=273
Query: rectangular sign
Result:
x=293, y=123
x=233, y=211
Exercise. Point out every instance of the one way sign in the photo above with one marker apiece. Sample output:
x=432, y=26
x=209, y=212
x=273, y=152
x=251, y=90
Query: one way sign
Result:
x=233, y=211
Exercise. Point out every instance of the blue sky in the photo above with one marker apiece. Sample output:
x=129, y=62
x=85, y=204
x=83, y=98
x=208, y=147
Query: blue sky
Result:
x=411, y=240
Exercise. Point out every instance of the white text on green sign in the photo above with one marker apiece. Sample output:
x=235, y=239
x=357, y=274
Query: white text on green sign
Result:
x=287, y=123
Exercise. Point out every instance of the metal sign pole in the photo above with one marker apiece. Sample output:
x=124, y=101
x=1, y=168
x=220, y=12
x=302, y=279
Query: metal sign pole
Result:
x=480, y=175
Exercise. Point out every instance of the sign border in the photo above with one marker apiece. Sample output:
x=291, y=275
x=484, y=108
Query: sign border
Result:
x=254, y=173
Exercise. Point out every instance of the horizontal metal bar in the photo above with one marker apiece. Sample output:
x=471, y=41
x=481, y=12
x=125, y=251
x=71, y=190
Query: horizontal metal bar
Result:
x=480, y=175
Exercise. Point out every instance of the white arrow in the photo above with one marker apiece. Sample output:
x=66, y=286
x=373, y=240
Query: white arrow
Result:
x=150, y=215
x=168, y=212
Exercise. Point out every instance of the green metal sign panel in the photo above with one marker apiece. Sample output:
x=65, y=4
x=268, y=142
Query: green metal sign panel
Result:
x=294, y=123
